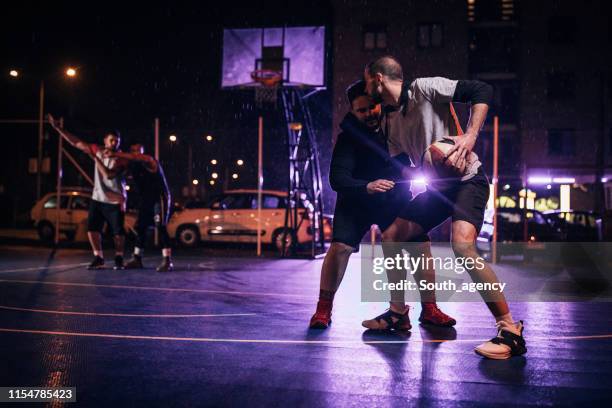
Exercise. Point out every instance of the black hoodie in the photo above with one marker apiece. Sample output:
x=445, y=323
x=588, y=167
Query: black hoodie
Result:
x=361, y=156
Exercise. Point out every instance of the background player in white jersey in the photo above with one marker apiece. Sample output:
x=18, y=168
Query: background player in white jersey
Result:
x=108, y=201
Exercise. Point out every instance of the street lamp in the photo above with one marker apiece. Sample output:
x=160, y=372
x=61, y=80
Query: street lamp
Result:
x=235, y=176
x=196, y=182
x=172, y=138
x=214, y=175
x=209, y=138
x=212, y=182
x=213, y=161
x=70, y=72
x=239, y=162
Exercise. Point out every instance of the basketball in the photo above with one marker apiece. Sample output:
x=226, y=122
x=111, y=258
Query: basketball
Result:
x=440, y=175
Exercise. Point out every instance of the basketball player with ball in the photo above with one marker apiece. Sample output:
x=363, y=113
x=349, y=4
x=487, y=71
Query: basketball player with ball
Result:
x=422, y=115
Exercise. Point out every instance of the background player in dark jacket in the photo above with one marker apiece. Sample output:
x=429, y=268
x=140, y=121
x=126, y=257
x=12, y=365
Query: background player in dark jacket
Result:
x=363, y=174
x=154, y=207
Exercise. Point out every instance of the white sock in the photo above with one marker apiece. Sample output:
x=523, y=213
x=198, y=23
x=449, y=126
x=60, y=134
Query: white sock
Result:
x=98, y=253
x=166, y=252
x=506, y=318
x=138, y=251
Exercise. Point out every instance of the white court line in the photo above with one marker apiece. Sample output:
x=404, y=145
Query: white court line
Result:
x=91, y=285
x=66, y=312
x=38, y=268
x=266, y=341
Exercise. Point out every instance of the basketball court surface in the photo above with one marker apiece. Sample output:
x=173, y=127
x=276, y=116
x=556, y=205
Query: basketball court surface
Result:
x=232, y=330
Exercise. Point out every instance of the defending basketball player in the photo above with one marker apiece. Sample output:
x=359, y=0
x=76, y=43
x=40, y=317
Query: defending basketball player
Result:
x=154, y=207
x=423, y=115
x=363, y=174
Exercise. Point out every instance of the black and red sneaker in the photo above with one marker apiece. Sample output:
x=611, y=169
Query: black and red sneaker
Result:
x=322, y=317
x=431, y=314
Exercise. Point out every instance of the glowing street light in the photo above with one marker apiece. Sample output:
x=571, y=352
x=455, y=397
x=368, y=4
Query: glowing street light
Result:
x=71, y=72
x=195, y=182
x=235, y=176
x=212, y=182
x=172, y=138
x=240, y=162
x=14, y=73
x=213, y=161
x=214, y=175
x=209, y=138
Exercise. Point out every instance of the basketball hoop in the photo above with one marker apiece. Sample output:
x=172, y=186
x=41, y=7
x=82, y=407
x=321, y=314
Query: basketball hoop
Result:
x=269, y=81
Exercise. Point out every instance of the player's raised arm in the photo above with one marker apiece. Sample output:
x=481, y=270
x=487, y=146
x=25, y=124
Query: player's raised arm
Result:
x=70, y=138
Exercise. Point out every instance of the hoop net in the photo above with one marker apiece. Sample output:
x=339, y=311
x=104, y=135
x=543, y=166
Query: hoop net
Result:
x=269, y=82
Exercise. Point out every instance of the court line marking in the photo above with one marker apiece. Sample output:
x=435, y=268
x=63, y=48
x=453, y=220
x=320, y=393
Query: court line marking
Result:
x=92, y=285
x=66, y=312
x=39, y=268
x=267, y=341
x=96, y=314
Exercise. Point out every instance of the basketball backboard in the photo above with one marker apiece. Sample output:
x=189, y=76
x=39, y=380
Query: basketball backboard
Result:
x=298, y=53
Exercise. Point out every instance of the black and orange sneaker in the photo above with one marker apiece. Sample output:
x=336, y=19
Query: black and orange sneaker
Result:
x=431, y=314
x=322, y=317
x=390, y=320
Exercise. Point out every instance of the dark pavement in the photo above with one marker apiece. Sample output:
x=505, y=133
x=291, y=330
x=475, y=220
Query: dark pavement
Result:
x=229, y=329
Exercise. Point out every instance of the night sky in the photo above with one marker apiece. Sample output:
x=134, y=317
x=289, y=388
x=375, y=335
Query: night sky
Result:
x=138, y=62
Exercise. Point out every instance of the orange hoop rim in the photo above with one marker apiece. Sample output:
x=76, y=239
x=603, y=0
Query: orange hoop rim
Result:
x=267, y=77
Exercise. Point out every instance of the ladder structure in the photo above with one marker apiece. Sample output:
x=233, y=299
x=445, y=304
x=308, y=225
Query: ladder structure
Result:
x=305, y=188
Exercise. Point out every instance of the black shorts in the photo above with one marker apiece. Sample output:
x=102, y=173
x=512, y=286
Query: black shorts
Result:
x=153, y=213
x=465, y=202
x=352, y=223
x=100, y=212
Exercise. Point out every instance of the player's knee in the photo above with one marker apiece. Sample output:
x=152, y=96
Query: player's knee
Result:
x=341, y=250
x=465, y=249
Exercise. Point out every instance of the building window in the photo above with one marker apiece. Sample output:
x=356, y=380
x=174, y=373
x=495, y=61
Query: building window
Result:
x=562, y=30
x=561, y=142
x=430, y=35
x=375, y=37
x=561, y=85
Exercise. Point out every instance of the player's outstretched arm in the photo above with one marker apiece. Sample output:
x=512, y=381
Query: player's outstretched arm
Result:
x=70, y=138
x=149, y=161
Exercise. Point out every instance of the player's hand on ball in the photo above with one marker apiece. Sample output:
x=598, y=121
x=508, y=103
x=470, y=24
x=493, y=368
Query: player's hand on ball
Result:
x=379, y=186
x=456, y=162
x=456, y=158
x=463, y=144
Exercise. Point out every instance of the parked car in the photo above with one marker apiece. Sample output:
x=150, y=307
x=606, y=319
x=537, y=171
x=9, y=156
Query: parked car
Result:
x=576, y=226
x=232, y=217
x=511, y=236
x=74, y=205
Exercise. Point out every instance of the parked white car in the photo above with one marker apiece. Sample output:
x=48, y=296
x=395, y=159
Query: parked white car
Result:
x=74, y=205
x=232, y=217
